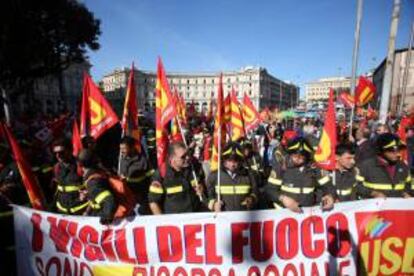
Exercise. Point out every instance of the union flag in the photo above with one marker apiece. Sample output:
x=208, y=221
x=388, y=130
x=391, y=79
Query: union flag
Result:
x=251, y=117
x=165, y=111
x=325, y=153
x=29, y=180
x=236, y=120
x=364, y=92
x=97, y=115
x=219, y=128
x=129, y=121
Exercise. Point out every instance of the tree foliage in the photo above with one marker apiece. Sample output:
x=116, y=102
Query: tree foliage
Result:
x=43, y=37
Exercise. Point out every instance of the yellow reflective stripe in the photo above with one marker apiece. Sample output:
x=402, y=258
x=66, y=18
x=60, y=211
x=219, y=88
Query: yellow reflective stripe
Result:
x=78, y=208
x=150, y=173
x=393, y=143
x=60, y=207
x=241, y=190
x=193, y=182
x=408, y=179
x=359, y=178
x=70, y=188
x=136, y=179
x=47, y=169
x=274, y=181
x=175, y=189
x=234, y=190
x=156, y=190
x=295, y=146
x=101, y=196
x=323, y=180
x=6, y=214
x=344, y=192
x=295, y=190
x=277, y=206
x=384, y=186
x=412, y=186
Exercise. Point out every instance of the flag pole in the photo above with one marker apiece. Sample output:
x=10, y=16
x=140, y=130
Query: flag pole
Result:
x=355, y=60
x=406, y=69
x=387, y=82
x=186, y=146
x=119, y=155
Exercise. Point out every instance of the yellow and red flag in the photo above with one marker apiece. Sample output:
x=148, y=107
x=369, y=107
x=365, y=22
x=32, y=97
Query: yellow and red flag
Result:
x=227, y=109
x=325, y=153
x=347, y=99
x=29, y=180
x=236, y=121
x=129, y=121
x=364, y=91
x=251, y=116
x=219, y=127
x=97, y=115
x=165, y=111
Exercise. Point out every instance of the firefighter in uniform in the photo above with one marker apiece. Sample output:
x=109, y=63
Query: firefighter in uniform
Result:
x=67, y=180
x=136, y=170
x=253, y=162
x=386, y=175
x=177, y=191
x=344, y=178
x=99, y=194
x=238, y=187
x=300, y=184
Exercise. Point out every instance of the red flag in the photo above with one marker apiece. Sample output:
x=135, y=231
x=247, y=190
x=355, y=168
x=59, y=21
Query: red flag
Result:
x=251, y=117
x=97, y=115
x=347, y=99
x=129, y=121
x=405, y=122
x=325, y=153
x=28, y=178
x=364, y=92
x=76, y=139
x=265, y=114
x=165, y=111
x=219, y=126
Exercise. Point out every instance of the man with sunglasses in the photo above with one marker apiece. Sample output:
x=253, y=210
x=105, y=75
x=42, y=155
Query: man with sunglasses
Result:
x=177, y=191
x=238, y=187
x=68, y=181
x=386, y=175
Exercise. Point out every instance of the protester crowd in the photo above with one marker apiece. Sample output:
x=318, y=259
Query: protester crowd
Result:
x=273, y=167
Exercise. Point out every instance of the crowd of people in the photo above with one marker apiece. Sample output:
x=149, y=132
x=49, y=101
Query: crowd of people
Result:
x=272, y=167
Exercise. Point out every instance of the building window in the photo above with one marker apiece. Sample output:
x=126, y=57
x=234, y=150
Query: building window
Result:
x=188, y=81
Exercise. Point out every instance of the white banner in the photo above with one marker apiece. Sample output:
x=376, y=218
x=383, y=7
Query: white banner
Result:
x=371, y=236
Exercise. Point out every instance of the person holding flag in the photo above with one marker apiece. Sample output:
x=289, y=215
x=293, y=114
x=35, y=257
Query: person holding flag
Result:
x=300, y=183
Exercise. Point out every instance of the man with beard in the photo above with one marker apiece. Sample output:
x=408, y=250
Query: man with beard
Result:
x=176, y=192
x=385, y=175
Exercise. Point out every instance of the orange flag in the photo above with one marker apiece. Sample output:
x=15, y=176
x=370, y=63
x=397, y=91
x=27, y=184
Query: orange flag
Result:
x=251, y=117
x=165, y=111
x=29, y=180
x=76, y=139
x=97, y=115
x=364, y=91
x=236, y=120
x=219, y=126
x=325, y=153
x=129, y=121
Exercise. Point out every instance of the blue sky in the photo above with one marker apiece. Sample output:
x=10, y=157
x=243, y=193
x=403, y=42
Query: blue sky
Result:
x=297, y=40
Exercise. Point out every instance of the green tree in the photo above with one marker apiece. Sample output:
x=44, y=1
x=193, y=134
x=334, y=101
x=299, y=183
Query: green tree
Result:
x=42, y=37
